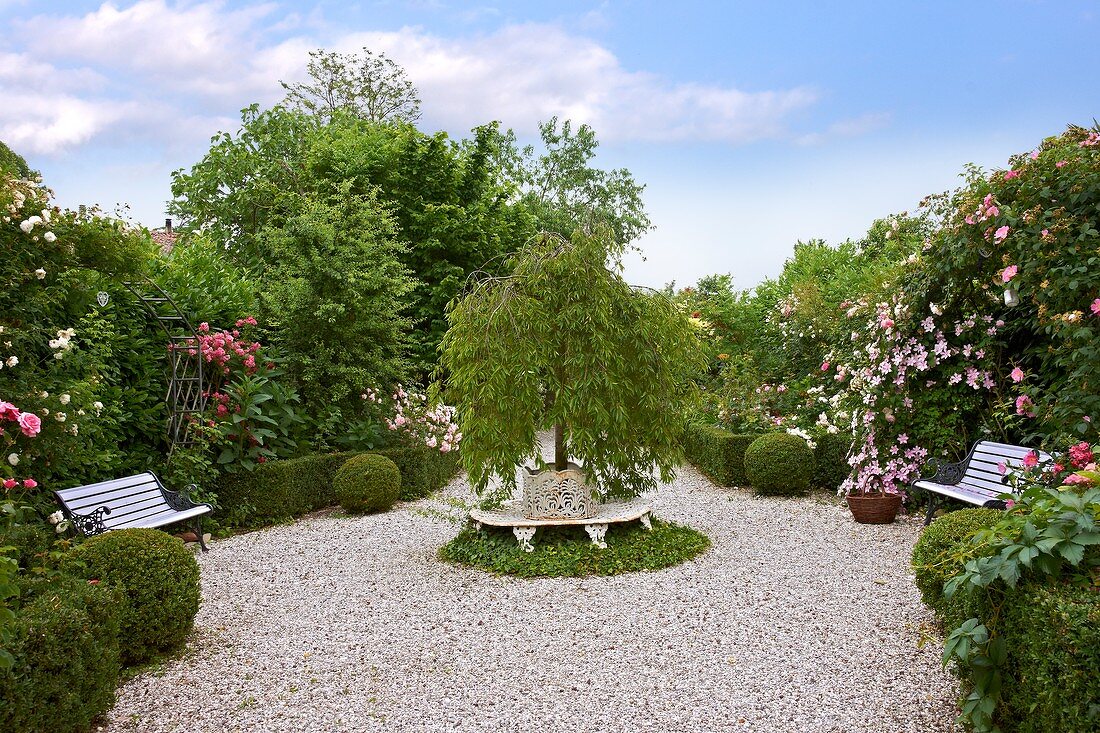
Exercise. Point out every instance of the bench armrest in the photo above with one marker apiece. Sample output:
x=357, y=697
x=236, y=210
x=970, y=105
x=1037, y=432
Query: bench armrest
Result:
x=944, y=472
x=180, y=500
x=88, y=524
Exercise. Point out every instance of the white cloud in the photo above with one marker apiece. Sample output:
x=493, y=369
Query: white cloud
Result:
x=526, y=73
x=50, y=122
x=851, y=127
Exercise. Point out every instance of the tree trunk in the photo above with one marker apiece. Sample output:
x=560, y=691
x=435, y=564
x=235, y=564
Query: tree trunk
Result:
x=561, y=460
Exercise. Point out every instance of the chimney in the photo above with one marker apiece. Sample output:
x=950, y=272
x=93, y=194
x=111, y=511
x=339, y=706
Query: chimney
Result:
x=168, y=225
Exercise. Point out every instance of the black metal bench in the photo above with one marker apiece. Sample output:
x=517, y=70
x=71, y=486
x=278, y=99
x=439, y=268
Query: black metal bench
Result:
x=977, y=479
x=134, y=501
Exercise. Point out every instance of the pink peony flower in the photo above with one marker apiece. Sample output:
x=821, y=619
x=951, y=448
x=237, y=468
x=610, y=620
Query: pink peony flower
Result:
x=1010, y=271
x=1017, y=374
x=29, y=423
x=1000, y=234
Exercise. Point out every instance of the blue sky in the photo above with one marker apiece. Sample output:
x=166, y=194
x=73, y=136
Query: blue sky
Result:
x=753, y=125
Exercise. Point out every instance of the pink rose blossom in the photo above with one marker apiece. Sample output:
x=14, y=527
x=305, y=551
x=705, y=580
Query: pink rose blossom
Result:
x=1095, y=307
x=1002, y=468
x=1017, y=374
x=1061, y=163
x=1000, y=234
x=1034, y=154
x=29, y=423
x=1009, y=504
x=30, y=483
x=8, y=411
x=1009, y=175
x=1031, y=459
x=825, y=364
x=1075, y=478
x=10, y=483
x=1010, y=271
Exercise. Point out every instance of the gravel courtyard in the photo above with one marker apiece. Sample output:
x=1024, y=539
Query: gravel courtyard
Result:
x=797, y=619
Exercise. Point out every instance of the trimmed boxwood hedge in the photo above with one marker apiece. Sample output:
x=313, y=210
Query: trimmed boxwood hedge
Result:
x=718, y=453
x=831, y=460
x=65, y=640
x=1052, y=633
x=280, y=490
x=368, y=483
x=159, y=577
x=932, y=562
x=779, y=464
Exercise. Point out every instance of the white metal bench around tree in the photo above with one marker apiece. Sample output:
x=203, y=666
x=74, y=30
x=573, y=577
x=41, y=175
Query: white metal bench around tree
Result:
x=977, y=479
x=134, y=501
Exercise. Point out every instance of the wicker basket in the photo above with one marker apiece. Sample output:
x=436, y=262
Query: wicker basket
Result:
x=874, y=508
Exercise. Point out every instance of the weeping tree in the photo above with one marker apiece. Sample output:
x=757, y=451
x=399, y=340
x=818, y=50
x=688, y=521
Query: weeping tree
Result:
x=564, y=342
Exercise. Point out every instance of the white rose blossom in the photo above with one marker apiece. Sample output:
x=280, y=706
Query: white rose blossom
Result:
x=13, y=459
x=64, y=399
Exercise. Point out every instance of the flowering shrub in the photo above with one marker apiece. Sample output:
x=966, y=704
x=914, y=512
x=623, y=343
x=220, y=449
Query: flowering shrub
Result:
x=418, y=423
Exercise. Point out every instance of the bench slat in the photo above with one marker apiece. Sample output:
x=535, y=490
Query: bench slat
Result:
x=159, y=520
x=119, y=496
x=76, y=492
x=122, y=515
x=977, y=482
x=962, y=493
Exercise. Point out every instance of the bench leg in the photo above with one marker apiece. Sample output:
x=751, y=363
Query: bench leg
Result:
x=932, y=505
x=198, y=533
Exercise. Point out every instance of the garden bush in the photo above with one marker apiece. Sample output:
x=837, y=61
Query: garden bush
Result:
x=160, y=578
x=779, y=464
x=274, y=491
x=422, y=470
x=831, y=460
x=935, y=556
x=718, y=453
x=65, y=641
x=31, y=542
x=368, y=483
x=1053, y=637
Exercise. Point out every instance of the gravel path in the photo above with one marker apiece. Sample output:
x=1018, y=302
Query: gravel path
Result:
x=796, y=620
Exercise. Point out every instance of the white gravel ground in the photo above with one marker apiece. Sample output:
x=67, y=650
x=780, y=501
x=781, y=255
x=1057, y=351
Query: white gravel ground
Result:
x=797, y=619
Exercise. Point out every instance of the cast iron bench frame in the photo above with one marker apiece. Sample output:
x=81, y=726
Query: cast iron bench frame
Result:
x=140, y=500
x=977, y=479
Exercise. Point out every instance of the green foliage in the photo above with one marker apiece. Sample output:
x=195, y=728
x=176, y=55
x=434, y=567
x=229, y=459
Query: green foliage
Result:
x=12, y=163
x=564, y=193
x=718, y=453
x=335, y=294
x=205, y=283
x=1053, y=634
x=451, y=210
x=368, y=483
x=160, y=579
x=368, y=87
x=565, y=341
x=568, y=551
x=422, y=470
x=779, y=464
x=65, y=644
x=273, y=492
x=831, y=459
x=1051, y=535
x=944, y=547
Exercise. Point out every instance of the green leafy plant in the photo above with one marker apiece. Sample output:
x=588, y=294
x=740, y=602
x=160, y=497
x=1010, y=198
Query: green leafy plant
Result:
x=719, y=453
x=779, y=464
x=936, y=556
x=568, y=552
x=367, y=483
x=563, y=341
x=160, y=579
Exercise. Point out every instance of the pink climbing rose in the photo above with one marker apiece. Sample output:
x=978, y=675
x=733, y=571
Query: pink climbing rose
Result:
x=1017, y=374
x=1031, y=460
x=30, y=483
x=1000, y=234
x=1010, y=271
x=29, y=423
x=1009, y=175
x=1095, y=307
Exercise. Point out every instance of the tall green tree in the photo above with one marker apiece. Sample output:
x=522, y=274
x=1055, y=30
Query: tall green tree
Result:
x=563, y=341
x=561, y=188
x=365, y=85
x=336, y=295
x=452, y=208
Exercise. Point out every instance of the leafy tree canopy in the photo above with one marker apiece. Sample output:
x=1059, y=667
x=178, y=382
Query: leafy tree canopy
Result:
x=564, y=341
x=368, y=86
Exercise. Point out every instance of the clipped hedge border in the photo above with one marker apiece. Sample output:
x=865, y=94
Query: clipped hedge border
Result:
x=718, y=453
x=280, y=490
x=1053, y=637
x=65, y=641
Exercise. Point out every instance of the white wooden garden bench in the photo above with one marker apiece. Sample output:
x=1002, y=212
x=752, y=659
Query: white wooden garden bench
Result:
x=134, y=501
x=977, y=479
